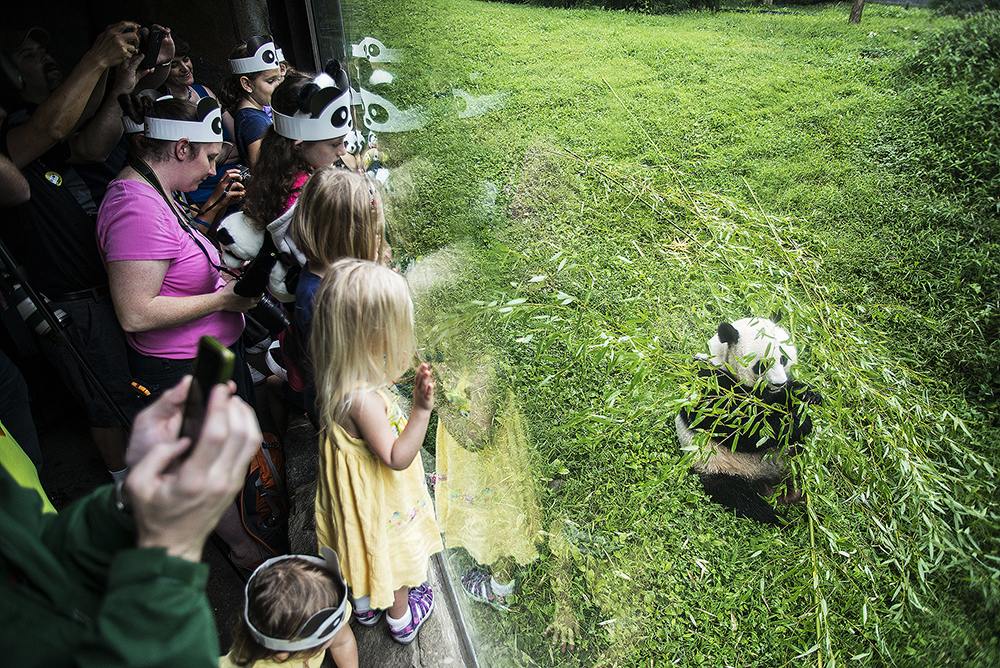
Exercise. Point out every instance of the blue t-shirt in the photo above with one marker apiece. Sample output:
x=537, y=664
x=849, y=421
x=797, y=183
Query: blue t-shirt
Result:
x=250, y=126
x=305, y=294
x=204, y=191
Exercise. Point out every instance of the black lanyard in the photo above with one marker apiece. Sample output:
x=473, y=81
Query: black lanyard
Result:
x=144, y=170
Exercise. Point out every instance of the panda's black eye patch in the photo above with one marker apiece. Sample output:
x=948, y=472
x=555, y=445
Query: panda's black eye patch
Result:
x=784, y=360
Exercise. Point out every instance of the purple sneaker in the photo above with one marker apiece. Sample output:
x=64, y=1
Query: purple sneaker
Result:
x=421, y=602
x=477, y=582
x=369, y=617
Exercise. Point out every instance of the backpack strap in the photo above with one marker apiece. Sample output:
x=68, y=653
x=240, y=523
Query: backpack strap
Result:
x=278, y=482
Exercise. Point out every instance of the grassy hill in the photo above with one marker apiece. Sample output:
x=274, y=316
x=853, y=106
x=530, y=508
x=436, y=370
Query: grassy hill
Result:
x=645, y=178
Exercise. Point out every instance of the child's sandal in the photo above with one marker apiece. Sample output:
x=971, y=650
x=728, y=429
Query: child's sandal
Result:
x=421, y=602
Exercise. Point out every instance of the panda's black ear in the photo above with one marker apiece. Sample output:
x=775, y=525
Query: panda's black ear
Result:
x=776, y=316
x=728, y=333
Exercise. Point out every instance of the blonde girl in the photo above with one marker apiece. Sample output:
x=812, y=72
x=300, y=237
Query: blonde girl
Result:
x=372, y=505
x=295, y=612
x=338, y=214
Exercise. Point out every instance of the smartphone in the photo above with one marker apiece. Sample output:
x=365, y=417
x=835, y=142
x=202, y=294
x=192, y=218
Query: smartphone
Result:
x=213, y=365
x=150, y=47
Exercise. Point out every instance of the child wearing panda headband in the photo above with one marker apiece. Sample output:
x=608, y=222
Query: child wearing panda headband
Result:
x=246, y=93
x=312, y=114
x=296, y=611
x=324, y=108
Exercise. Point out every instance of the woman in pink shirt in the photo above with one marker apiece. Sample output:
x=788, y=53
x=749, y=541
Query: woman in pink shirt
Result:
x=164, y=275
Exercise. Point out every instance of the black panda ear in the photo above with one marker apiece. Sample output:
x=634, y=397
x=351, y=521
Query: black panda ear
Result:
x=776, y=316
x=728, y=333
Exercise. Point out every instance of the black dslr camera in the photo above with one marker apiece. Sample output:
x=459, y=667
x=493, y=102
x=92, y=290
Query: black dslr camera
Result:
x=253, y=281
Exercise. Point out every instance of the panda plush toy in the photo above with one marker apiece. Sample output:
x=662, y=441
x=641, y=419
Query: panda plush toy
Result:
x=747, y=418
x=354, y=141
x=241, y=241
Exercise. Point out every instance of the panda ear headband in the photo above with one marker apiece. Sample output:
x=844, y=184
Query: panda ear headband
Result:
x=264, y=56
x=319, y=628
x=205, y=130
x=324, y=108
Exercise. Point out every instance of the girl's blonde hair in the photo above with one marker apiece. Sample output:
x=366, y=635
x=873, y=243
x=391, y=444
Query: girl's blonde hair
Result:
x=362, y=334
x=338, y=214
x=281, y=599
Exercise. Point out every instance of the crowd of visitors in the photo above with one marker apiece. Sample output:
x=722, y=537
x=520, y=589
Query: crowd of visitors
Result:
x=119, y=188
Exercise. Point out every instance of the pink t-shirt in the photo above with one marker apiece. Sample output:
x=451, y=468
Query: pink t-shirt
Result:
x=134, y=223
x=297, y=184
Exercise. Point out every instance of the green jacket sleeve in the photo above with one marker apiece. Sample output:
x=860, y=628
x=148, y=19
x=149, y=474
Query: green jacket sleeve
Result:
x=75, y=591
x=154, y=613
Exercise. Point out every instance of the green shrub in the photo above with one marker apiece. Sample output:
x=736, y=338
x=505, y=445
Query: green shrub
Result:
x=962, y=7
x=947, y=266
x=955, y=86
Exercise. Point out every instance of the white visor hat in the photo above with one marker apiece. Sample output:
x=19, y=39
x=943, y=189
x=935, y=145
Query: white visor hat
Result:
x=265, y=56
x=318, y=629
x=205, y=130
x=324, y=109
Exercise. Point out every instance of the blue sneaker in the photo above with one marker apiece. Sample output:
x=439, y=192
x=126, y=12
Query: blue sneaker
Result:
x=421, y=602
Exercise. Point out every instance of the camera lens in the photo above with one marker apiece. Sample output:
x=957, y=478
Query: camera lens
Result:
x=269, y=314
x=32, y=317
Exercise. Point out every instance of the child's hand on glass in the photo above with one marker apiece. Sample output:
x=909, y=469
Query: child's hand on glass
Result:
x=423, y=388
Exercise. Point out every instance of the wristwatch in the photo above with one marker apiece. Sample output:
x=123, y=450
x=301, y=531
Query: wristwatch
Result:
x=118, y=498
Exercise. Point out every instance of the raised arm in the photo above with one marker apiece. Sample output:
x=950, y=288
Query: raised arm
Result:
x=156, y=76
x=59, y=114
x=13, y=186
x=369, y=418
x=100, y=135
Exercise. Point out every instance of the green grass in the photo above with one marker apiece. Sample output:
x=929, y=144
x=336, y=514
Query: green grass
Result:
x=654, y=176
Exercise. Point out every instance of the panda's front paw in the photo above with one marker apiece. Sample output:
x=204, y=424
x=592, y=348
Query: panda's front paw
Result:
x=813, y=398
x=807, y=395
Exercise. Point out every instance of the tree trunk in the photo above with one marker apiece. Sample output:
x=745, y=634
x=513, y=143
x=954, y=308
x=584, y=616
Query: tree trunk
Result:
x=856, y=9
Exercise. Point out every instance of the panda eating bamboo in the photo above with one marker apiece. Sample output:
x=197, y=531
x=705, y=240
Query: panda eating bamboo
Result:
x=747, y=418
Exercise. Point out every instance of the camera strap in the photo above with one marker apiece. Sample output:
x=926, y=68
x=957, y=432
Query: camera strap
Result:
x=144, y=170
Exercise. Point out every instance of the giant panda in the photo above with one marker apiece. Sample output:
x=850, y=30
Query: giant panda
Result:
x=746, y=418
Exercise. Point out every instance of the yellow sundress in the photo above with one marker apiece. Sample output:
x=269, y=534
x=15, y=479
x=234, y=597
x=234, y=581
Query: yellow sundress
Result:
x=380, y=522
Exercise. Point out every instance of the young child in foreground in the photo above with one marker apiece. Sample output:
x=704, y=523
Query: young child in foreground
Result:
x=295, y=611
x=372, y=504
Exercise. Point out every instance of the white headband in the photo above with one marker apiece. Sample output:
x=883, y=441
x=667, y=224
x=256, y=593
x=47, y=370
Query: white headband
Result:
x=129, y=126
x=329, y=114
x=206, y=130
x=265, y=57
x=319, y=628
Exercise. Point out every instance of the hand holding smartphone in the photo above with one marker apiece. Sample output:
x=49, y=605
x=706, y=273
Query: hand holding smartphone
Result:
x=213, y=365
x=149, y=46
